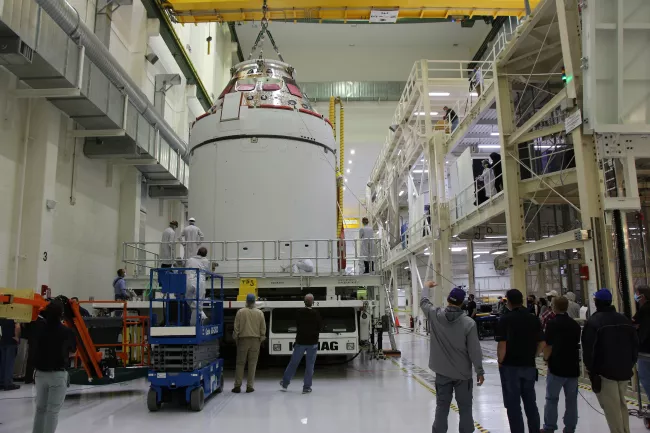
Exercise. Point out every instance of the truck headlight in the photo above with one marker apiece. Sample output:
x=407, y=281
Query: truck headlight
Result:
x=349, y=346
x=277, y=347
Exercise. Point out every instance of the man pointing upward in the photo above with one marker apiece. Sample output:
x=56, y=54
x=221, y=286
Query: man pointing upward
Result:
x=454, y=350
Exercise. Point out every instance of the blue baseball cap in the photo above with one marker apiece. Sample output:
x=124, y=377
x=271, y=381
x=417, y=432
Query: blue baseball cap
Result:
x=250, y=298
x=456, y=296
x=603, y=295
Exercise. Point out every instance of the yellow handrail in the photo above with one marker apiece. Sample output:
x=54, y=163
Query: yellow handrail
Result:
x=339, y=173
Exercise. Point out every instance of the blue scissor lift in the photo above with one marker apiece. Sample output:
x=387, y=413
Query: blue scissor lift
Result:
x=185, y=358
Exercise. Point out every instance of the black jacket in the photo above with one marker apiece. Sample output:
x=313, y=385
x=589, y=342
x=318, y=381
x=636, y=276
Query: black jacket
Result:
x=610, y=345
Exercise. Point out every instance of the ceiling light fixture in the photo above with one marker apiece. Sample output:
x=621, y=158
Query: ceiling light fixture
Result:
x=346, y=179
x=496, y=253
x=473, y=93
x=494, y=134
x=420, y=171
x=400, y=193
x=489, y=146
x=439, y=93
x=352, y=152
x=457, y=249
x=349, y=161
x=496, y=237
x=421, y=113
x=406, y=267
x=476, y=256
x=348, y=170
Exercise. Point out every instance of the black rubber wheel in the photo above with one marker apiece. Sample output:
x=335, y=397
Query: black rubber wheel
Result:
x=646, y=423
x=152, y=401
x=197, y=399
x=220, y=389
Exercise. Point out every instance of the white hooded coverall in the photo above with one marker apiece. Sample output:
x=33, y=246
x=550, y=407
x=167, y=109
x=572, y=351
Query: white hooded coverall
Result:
x=203, y=264
x=167, y=249
x=488, y=181
x=366, y=234
x=191, y=236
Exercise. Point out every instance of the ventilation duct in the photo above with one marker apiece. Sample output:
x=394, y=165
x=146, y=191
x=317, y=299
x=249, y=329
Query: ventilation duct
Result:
x=67, y=17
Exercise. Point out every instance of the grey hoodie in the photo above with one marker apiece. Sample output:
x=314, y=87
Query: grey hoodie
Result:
x=454, y=341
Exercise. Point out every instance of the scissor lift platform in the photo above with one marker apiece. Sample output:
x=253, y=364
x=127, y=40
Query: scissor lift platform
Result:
x=178, y=336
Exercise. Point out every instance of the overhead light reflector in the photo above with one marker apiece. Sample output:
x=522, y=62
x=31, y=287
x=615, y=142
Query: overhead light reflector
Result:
x=439, y=93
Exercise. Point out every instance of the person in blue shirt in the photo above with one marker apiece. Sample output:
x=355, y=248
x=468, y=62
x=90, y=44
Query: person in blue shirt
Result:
x=119, y=286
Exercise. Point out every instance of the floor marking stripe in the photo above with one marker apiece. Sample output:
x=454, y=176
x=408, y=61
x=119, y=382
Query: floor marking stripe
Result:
x=414, y=371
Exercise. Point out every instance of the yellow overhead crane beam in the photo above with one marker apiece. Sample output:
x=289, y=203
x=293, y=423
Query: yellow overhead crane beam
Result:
x=196, y=11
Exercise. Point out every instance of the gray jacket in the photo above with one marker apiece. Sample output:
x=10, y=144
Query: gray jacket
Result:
x=454, y=341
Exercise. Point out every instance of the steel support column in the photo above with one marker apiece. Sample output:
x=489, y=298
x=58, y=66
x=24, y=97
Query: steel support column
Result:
x=442, y=239
x=511, y=178
x=470, y=267
x=598, y=254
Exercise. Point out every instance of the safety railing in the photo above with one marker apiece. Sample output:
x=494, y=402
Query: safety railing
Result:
x=545, y=158
x=481, y=192
x=302, y=257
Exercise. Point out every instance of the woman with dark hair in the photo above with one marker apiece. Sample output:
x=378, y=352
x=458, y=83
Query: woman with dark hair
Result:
x=53, y=344
x=543, y=306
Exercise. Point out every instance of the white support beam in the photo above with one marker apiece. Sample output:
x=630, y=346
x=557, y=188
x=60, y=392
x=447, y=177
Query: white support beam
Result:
x=537, y=133
x=71, y=92
x=482, y=215
x=537, y=117
x=91, y=133
x=556, y=180
x=563, y=241
x=128, y=162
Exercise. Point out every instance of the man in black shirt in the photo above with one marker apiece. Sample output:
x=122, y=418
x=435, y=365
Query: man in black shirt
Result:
x=309, y=325
x=451, y=117
x=9, y=338
x=562, y=352
x=520, y=339
x=471, y=307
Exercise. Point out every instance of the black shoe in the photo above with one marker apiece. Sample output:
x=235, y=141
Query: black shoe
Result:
x=306, y=390
x=11, y=387
x=236, y=389
x=249, y=389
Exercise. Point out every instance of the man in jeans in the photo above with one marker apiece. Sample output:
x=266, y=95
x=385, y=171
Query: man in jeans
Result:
x=454, y=349
x=309, y=325
x=9, y=338
x=520, y=339
x=610, y=348
x=642, y=322
x=562, y=353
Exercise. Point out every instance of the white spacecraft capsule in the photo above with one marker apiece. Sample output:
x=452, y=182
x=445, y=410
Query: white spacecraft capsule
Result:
x=263, y=173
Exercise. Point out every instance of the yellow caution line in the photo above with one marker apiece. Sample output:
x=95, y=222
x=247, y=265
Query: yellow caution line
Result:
x=478, y=426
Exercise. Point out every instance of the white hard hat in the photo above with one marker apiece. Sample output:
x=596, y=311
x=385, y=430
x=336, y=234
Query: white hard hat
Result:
x=192, y=220
x=552, y=293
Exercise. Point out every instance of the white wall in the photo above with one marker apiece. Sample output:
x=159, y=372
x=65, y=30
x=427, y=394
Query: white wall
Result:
x=84, y=250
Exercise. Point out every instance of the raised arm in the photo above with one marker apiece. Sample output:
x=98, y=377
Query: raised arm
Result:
x=425, y=302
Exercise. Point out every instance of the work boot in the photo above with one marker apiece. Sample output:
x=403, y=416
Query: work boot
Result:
x=236, y=389
x=249, y=389
x=284, y=387
x=306, y=390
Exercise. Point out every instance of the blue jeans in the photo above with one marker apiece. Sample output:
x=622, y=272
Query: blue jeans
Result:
x=643, y=367
x=518, y=384
x=554, y=384
x=298, y=351
x=454, y=123
x=7, y=360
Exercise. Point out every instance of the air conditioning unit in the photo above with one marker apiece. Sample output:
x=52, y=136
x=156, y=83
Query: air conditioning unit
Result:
x=14, y=51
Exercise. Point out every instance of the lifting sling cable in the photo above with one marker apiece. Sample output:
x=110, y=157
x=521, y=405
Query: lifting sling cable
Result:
x=260, y=36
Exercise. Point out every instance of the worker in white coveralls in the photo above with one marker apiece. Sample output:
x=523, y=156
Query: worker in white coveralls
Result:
x=488, y=179
x=191, y=237
x=367, y=254
x=199, y=261
x=167, y=247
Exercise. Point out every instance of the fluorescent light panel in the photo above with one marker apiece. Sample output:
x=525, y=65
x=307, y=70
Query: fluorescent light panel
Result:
x=421, y=113
x=420, y=171
x=401, y=193
x=439, y=93
x=496, y=237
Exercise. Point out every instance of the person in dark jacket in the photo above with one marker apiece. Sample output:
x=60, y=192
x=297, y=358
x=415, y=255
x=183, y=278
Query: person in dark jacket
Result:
x=54, y=343
x=8, y=350
x=609, y=348
x=82, y=310
x=642, y=322
x=309, y=325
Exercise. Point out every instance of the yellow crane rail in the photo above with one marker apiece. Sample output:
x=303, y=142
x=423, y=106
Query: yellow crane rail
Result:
x=196, y=11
